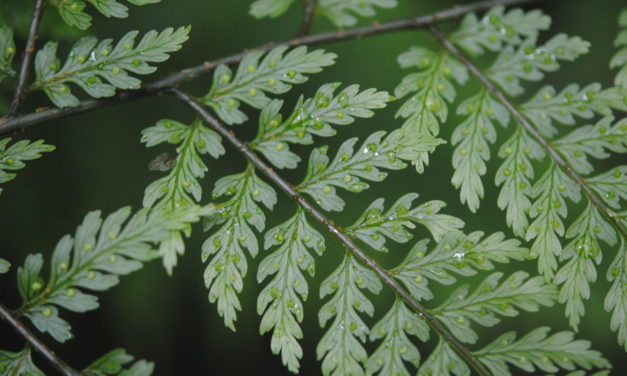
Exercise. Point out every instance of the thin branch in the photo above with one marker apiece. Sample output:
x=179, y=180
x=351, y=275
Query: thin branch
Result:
x=346, y=240
x=307, y=18
x=524, y=123
x=22, y=83
x=10, y=125
x=36, y=343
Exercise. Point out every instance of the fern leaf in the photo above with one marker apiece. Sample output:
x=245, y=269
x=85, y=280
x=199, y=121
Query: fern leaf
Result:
x=12, y=158
x=180, y=187
x=269, y=8
x=374, y=226
x=94, y=259
x=275, y=74
x=547, y=211
x=455, y=254
x=471, y=140
x=515, y=175
x=18, y=364
x=619, y=60
x=7, y=51
x=342, y=12
x=582, y=253
x=616, y=298
x=113, y=363
x=313, y=116
x=396, y=347
x=593, y=141
x=350, y=166
x=4, y=266
x=529, y=62
x=227, y=267
x=498, y=27
x=538, y=350
x=611, y=186
x=73, y=12
x=281, y=301
x=432, y=87
x=341, y=348
x=547, y=107
x=443, y=361
x=99, y=68
x=491, y=298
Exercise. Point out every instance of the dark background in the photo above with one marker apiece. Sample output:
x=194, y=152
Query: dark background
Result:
x=100, y=164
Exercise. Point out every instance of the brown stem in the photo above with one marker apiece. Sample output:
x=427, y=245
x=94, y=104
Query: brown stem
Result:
x=307, y=18
x=10, y=125
x=21, y=89
x=36, y=343
x=524, y=123
x=346, y=240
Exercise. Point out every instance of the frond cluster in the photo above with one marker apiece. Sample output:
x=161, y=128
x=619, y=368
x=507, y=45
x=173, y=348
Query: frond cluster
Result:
x=544, y=170
x=293, y=245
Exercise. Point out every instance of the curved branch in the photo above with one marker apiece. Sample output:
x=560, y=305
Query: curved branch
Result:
x=36, y=343
x=346, y=240
x=10, y=125
x=22, y=83
x=524, y=123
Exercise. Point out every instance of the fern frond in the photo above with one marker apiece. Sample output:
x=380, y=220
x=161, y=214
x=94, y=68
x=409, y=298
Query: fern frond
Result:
x=491, y=298
x=547, y=211
x=99, y=68
x=280, y=300
x=313, y=116
x=443, y=361
x=180, y=187
x=99, y=253
x=18, y=364
x=616, y=298
x=374, y=226
x=455, y=254
x=430, y=89
x=396, y=347
x=594, y=141
x=471, y=140
x=227, y=267
x=351, y=165
x=538, y=350
x=619, y=60
x=114, y=363
x=73, y=12
x=546, y=106
x=7, y=52
x=269, y=8
x=275, y=74
x=342, y=12
x=610, y=185
x=529, y=62
x=515, y=175
x=341, y=348
x=12, y=158
x=497, y=28
x=582, y=253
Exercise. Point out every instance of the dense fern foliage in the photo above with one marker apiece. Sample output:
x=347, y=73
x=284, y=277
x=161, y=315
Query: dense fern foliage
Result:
x=565, y=212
